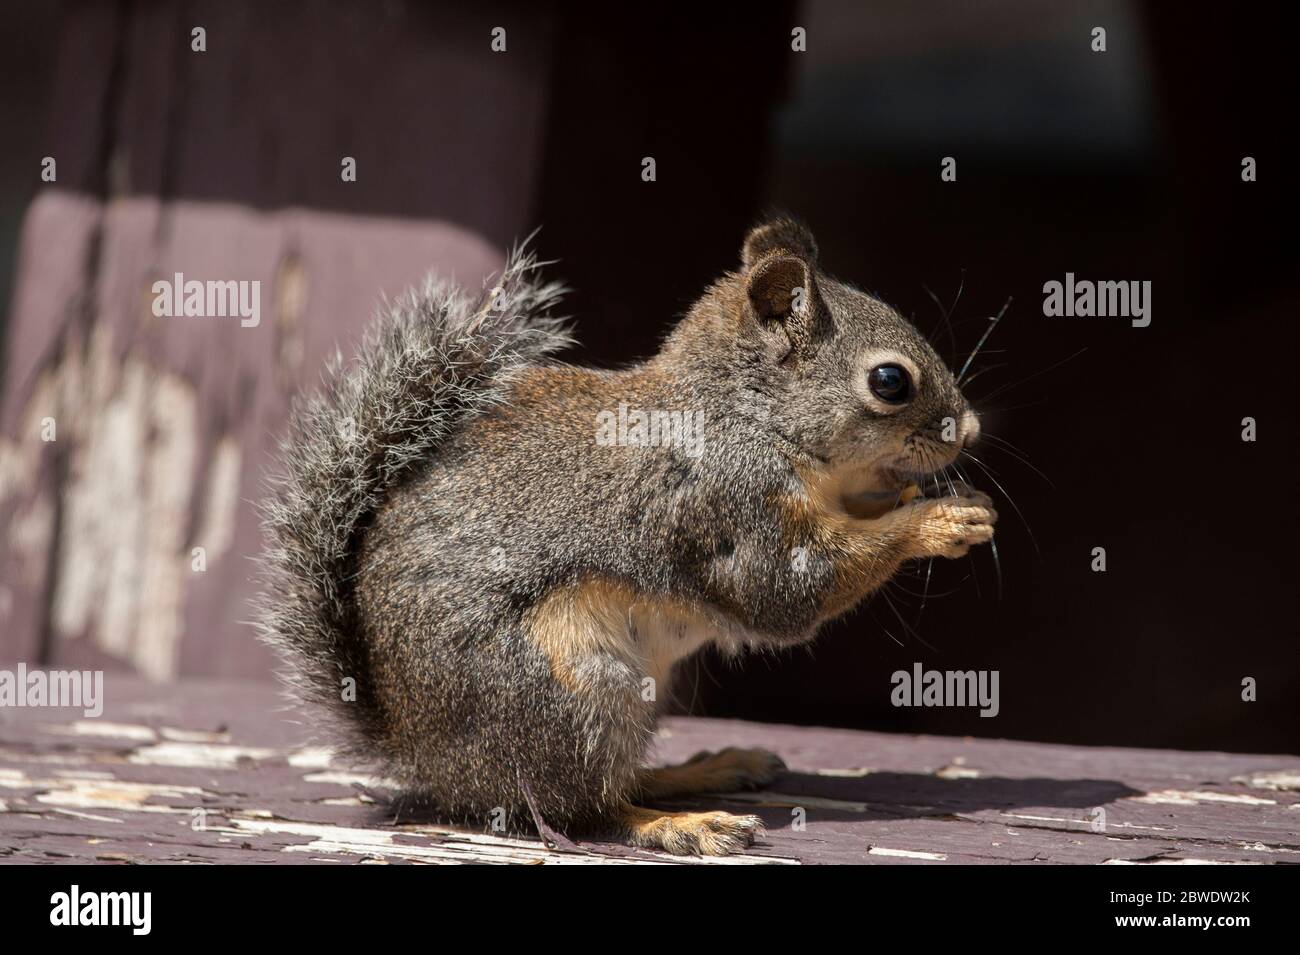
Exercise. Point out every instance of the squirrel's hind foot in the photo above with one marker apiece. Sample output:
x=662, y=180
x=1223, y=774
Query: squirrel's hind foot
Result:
x=689, y=833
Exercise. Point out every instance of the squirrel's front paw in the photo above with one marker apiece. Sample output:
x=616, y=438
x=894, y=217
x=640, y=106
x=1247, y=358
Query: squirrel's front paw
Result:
x=948, y=526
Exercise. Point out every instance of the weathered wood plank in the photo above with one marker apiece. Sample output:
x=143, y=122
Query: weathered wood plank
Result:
x=225, y=165
x=165, y=425
x=213, y=772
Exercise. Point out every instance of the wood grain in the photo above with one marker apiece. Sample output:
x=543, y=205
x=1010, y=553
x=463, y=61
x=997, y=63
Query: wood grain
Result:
x=216, y=771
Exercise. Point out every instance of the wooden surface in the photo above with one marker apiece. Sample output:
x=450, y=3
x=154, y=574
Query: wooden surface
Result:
x=224, y=165
x=217, y=772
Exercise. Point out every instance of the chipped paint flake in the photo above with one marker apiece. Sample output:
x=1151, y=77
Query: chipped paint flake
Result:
x=1281, y=779
x=1173, y=862
x=1261, y=847
x=132, y=431
x=57, y=759
x=957, y=771
x=854, y=773
x=312, y=757
x=102, y=729
x=1187, y=797
x=907, y=854
x=202, y=755
x=220, y=499
x=85, y=815
x=1134, y=825
x=1083, y=823
x=83, y=774
x=104, y=794
x=340, y=778
x=193, y=736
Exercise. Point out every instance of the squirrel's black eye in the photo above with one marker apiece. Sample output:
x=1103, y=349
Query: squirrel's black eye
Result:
x=890, y=383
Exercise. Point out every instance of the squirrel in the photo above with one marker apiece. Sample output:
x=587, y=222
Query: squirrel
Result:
x=492, y=598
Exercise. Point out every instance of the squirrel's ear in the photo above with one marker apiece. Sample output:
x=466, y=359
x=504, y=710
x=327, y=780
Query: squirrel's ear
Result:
x=782, y=289
x=779, y=235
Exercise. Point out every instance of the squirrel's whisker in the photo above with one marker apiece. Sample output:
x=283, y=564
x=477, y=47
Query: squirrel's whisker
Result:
x=1042, y=371
x=947, y=312
x=907, y=628
x=996, y=483
x=993, y=323
x=925, y=590
x=987, y=368
x=997, y=561
x=1011, y=449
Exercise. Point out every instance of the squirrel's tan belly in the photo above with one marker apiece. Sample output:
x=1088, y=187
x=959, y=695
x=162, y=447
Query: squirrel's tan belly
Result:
x=597, y=619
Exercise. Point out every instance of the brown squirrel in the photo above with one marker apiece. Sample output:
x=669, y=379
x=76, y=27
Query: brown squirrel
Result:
x=489, y=562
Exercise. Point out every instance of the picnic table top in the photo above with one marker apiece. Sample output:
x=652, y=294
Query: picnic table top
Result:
x=220, y=772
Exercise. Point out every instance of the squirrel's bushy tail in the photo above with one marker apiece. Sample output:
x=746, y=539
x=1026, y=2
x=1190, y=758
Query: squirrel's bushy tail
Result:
x=433, y=359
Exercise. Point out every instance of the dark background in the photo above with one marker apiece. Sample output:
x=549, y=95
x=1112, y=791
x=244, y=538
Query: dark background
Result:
x=1118, y=165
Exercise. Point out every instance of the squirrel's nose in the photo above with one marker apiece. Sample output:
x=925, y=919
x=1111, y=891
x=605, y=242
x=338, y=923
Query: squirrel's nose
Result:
x=970, y=429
